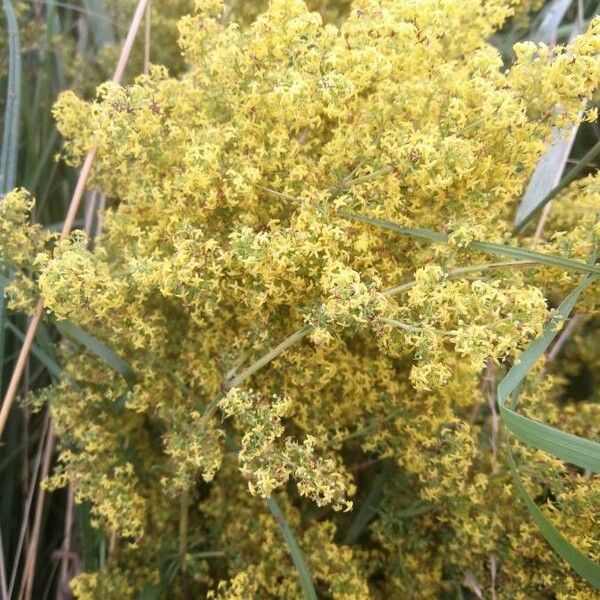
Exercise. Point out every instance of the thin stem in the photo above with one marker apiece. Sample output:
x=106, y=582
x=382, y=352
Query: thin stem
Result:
x=460, y=271
x=278, y=194
x=400, y=325
x=32, y=549
x=63, y=579
x=268, y=357
x=184, y=514
x=3, y=587
x=28, y=503
x=147, y=41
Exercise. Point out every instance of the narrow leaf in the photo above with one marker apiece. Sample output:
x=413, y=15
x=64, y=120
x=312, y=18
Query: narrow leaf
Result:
x=10, y=138
x=547, y=174
x=95, y=346
x=369, y=506
x=294, y=549
x=580, y=563
x=100, y=23
x=497, y=249
x=51, y=365
x=568, y=447
x=2, y=327
x=554, y=13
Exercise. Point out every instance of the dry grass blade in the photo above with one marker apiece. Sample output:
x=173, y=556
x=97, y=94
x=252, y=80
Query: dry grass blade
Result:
x=27, y=508
x=68, y=224
x=32, y=548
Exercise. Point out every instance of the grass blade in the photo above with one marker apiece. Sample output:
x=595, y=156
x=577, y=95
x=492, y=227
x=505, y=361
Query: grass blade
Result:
x=546, y=175
x=563, y=183
x=554, y=13
x=580, y=563
x=294, y=549
x=570, y=448
x=100, y=23
x=96, y=347
x=496, y=249
x=10, y=138
x=369, y=506
x=2, y=325
x=51, y=365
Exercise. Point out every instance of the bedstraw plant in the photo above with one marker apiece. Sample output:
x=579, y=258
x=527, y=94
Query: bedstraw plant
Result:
x=310, y=271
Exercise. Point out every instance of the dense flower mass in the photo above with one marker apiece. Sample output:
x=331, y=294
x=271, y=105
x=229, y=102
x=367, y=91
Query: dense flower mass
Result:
x=275, y=339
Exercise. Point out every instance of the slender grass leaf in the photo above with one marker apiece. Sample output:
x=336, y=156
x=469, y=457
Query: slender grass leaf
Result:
x=547, y=174
x=554, y=13
x=100, y=23
x=294, y=549
x=580, y=563
x=573, y=174
x=568, y=447
x=497, y=249
x=51, y=365
x=550, y=167
x=2, y=328
x=96, y=347
x=369, y=506
x=10, y=137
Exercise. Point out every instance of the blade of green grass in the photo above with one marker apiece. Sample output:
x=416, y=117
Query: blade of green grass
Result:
x=551, y=165
x=565, y=446
x=2, y=328
x=554, y=13
x=10, y=138
x=571, y=176
x=580, y=563
x=369, y=506
x=96, y=347
x=570, y=448
x=546, y=175
x=100, y=23
x=50, y=364
x=497, y=249
x=294, y=549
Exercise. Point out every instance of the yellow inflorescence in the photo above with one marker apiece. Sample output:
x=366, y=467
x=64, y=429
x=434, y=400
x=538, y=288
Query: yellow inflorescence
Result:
x=226, y=234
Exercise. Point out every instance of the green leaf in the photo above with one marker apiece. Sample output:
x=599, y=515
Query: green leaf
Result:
x=369, y=506
x=573, y=174
x=294, y=549
x=2, y=327
x=10, y=139
x=568, y=447
x=51, y=365
x=546, y=175
x=100, y=23
x=580, y=563
x=497, y=249
x=98, y=348
x=554, y=13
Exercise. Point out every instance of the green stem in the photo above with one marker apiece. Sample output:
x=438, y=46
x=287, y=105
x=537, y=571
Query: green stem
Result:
x=184, y=513
x=460, y=271
x=268, y=357
x=294, y=549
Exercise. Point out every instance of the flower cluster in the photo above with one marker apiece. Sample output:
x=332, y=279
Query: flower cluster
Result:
x=267, y=464
x=274, y=338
